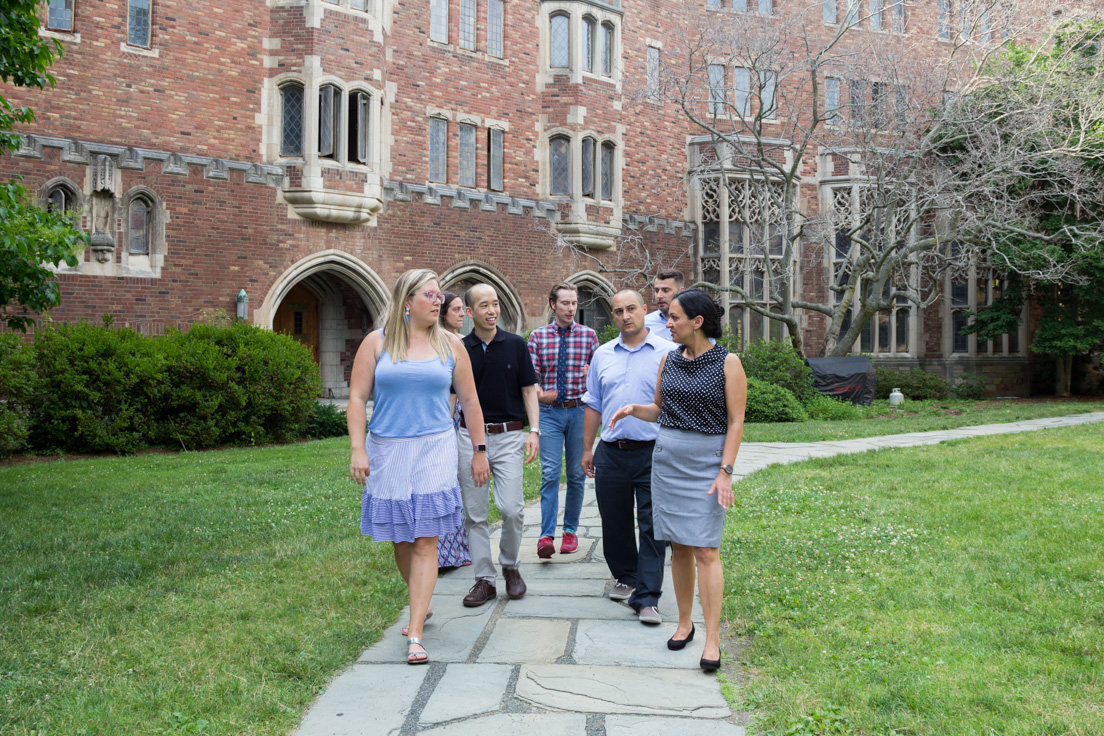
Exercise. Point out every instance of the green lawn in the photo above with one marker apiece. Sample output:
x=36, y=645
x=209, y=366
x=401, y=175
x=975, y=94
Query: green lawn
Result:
x=953, y=589
x=917, y=416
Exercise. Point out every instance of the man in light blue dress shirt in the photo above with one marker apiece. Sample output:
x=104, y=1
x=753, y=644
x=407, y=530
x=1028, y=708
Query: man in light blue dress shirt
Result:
x=665, y=287
x=624, y=371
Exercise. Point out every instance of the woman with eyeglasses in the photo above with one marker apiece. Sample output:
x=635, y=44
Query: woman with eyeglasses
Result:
x=408, y=463
x=452, y=548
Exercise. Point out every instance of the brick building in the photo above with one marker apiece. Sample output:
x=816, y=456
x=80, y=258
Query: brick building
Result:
x=306, y=152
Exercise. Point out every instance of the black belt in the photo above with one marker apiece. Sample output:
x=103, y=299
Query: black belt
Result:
x=631, y=444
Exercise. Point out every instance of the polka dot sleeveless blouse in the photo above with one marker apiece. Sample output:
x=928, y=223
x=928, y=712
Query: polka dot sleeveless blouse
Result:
x=693, y=392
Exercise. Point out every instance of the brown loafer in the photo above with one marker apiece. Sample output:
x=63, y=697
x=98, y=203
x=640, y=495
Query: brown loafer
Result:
x=515, y=586
x=480, y=593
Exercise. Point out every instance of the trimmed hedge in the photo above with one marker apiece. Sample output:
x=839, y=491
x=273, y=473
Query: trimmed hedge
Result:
x=17, y=385
x=917, y=384
x=325, y=420
x=779, y=364
x=831, y=409
x=101, y=389
x=767, y=402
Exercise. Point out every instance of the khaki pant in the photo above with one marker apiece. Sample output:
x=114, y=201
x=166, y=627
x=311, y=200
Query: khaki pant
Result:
x=505, y=455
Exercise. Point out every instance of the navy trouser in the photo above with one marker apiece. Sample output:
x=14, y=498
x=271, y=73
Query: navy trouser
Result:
x=622, y=481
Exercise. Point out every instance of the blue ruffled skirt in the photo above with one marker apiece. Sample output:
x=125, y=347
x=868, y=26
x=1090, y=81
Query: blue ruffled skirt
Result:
x=412, y=488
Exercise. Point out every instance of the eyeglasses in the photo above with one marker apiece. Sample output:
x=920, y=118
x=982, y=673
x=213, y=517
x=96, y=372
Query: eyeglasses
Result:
x=434, y=296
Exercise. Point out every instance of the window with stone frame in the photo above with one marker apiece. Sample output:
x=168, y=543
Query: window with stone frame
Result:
x=652, y=71
x=329, y=121
x=590, y=31
x=139, y=226
x=438, y=20
x=605, y=49
x=593, y=309
x=438, y=149
x=61, y=198
x=494, y=159
x=716, y=73
x=609, y=153
x=945, y=20
x=970, y=288
x=139, y=14
x=851, y=14
x=559, y=38
x=559, y=154
x=828, y=12
x=741, y=229
x=875, y=15
x=889, y=332
x=495, y=24
x=360, y=107
x=898, y=16
x=832, y=101
x=59, y=15
x=587, y=165
x=291, y=119
x=766, y=7
x=467, y=24
x=467, y=155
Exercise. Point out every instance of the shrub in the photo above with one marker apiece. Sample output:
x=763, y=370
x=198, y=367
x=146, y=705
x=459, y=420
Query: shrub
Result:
x=767, y=402
x=96, y=386
x=917, y=384
x=832, y=409
x=17, y=386
x=607, y=333
x=970, y=387
x=779, y=364
x=325, y=420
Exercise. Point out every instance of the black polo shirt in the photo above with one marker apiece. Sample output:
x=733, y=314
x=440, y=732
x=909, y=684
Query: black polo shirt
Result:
x=501, y=371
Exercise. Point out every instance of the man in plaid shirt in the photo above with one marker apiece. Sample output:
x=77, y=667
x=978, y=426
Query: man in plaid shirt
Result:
x=561, y=353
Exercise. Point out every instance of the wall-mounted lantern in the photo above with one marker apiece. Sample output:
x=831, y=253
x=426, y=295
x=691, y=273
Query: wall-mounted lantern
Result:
x=243, y=305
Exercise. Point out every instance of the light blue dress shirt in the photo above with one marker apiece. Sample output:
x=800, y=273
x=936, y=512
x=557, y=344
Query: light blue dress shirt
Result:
x=622, y=375
x=656, y=322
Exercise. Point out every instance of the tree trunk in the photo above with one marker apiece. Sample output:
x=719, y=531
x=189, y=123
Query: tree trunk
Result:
x=1063, y=375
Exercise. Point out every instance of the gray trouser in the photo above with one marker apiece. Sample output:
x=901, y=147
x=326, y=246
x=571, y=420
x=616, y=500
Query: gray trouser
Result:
x=505, y=454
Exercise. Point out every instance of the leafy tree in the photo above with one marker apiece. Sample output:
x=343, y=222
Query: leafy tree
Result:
x=30, y=237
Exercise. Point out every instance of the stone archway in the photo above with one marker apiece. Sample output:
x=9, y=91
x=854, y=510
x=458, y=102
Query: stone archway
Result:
x=459, y=278
x=351, y=301
x=595, y=293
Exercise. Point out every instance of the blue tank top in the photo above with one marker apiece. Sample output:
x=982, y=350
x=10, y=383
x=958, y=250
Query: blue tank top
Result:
x=411, y=397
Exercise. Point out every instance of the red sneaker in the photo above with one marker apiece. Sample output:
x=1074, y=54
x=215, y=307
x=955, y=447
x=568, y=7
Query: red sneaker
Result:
x=546, y=547
x=570, y=543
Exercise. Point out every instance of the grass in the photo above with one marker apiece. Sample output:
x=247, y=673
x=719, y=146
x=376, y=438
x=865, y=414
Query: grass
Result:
x=916, y=416
x=954, y=589
x=210, y=593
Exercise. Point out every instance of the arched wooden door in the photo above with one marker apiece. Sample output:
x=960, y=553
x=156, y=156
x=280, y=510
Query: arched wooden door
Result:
x=297, y=316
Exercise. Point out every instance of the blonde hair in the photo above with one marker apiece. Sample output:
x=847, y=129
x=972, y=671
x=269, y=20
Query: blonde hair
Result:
x=396, y=333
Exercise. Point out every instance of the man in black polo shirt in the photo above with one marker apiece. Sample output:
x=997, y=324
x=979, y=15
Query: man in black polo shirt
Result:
x=507, y=387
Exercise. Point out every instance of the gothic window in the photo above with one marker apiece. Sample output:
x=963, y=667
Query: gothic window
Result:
x=59, y=16
x=138, y=22
x=438, y=149
x=828, y=11
x=329, y=121
x=716, y=89
x=467, y=155
x=588, y=167
x=607, y=170
x=291, y=120
x=467, y=24
x=438, y=20
x=359, y=118
x=898, y=16
x=560, y=154
x=560, y=41
x=60, y=199
x=876, y=15
x=139, y=224
x=589, y=26
x=494, y=159
x=605, y=49
x=494, y=28
x=593, y=311
x=831, y=100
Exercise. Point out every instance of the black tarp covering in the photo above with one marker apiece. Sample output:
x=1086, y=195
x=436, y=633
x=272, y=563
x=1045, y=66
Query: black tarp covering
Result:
x=850, y=379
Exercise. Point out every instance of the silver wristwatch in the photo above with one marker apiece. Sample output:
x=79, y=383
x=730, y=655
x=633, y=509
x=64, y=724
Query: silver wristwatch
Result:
x=727, y=469
x=535, y=429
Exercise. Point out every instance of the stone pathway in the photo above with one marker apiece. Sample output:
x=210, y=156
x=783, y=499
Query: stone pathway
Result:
x=564, y=660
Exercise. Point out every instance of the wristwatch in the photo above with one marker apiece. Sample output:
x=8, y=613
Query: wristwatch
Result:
x=727, y=469
x=535, y=429
x=479, y=448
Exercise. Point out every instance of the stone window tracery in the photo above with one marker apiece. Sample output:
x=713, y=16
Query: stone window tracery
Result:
x=291, y=120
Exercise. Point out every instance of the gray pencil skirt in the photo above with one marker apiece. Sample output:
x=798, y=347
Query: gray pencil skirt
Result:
x=684, y=466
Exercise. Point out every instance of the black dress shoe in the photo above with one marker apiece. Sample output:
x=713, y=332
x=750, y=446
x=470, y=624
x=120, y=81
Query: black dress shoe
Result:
x=710, y=665
x=480, y=593
x=676, y=644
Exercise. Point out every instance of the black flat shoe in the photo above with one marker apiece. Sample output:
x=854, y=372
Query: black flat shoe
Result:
x=676, y=644
x=710, y=665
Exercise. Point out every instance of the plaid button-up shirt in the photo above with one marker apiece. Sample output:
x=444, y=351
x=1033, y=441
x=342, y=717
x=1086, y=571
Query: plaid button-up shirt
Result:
x=544, y=349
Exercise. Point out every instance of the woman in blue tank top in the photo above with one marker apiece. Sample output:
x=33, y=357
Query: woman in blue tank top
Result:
x=407, y=463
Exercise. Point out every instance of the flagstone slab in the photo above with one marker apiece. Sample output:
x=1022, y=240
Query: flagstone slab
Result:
x=518, y=640
x=467, y=690
x=653, y=726
x=448, y=637
x=456, y=585
x=569, y=608
x=633, y=690
x=512, y=724
x=528, y=554
x=633, y=644
x=351, y=704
